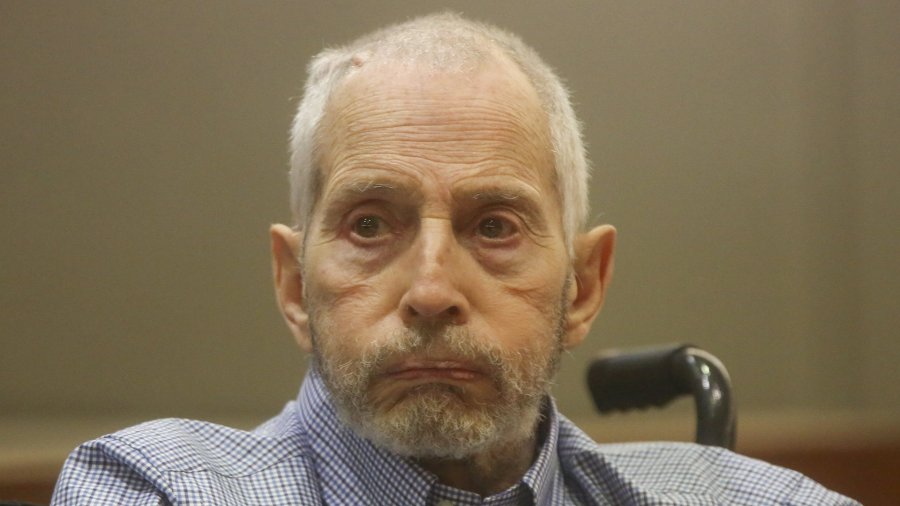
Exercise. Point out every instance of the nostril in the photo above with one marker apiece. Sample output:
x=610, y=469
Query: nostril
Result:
x=451, y=312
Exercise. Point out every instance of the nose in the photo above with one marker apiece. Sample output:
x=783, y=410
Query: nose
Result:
x=434, y=294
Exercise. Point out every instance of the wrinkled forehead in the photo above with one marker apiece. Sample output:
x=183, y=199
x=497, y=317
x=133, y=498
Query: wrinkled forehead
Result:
x=491, y=105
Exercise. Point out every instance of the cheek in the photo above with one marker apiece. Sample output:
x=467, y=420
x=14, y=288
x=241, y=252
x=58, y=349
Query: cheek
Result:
x=344, y=273
x=353, y=308
x=528, y=266
x=536, y=286
x=334, y=274
x=352, y=305
x=523, y=317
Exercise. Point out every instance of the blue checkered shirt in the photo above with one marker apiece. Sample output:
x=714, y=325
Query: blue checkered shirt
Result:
x=306, y=456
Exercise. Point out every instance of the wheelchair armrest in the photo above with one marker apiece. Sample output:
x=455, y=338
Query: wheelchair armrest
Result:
x=654, y=377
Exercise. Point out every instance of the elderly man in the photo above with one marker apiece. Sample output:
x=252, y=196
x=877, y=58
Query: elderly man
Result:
x=436, y=271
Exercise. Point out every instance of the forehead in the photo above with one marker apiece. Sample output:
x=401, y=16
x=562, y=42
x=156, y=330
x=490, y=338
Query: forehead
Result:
x=455, y=126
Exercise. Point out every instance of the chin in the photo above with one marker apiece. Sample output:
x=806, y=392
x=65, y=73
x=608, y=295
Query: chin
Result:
x=437, y=420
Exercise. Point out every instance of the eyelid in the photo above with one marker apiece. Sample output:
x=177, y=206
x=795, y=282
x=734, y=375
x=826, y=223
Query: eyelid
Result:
x=509, y=218
x=384, y=232
x=366, y=207
x=389, y=221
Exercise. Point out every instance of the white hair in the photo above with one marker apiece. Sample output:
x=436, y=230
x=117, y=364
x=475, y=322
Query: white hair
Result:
x=444, y=41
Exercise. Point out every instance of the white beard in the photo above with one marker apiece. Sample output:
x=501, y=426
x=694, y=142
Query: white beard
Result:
x=439, y=420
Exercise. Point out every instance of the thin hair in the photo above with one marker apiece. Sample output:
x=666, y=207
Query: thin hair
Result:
x=443, y=42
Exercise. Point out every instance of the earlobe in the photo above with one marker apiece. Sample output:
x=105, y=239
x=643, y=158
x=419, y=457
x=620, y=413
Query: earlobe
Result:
x=593, y=267
x=288, y=279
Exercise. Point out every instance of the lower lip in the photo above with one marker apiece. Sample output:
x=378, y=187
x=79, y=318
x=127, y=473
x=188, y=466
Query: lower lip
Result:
x=436, y=373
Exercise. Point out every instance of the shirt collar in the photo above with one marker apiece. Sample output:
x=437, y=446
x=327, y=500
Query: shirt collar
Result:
x=349, y=464
x=543, y=478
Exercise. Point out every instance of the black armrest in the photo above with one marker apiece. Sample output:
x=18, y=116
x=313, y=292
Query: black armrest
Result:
x=654, y=377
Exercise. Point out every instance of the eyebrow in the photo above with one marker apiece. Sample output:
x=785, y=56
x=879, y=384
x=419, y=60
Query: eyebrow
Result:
x=354, y=189
x=497, y=195
x=363, y=189
x=523, y=199
x=371, y=186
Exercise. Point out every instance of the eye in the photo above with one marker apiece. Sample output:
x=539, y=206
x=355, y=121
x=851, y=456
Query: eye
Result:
x=369, y=227
x=496, y=228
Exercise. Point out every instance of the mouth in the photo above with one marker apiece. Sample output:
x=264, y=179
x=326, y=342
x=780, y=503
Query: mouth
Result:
x=412, y=369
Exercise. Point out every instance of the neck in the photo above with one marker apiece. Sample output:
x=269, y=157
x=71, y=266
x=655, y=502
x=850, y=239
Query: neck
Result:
x=488, y=472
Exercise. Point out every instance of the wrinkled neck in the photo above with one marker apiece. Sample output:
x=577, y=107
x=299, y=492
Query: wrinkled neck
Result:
x=489, y=472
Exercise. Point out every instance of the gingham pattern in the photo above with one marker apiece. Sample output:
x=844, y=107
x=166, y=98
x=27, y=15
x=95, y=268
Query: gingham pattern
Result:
x=305, y=456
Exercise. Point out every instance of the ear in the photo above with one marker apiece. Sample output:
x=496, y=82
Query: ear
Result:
x=593, y=267
x=289, y=282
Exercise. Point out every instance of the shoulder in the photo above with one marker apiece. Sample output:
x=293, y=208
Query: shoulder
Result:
x=178, y=459
x=190, y=445
x=678, y=473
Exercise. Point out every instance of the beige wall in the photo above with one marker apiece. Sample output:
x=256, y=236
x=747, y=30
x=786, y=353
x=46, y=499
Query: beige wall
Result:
x=748, y=153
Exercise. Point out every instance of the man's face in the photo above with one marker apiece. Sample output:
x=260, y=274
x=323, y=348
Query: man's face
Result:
x=434, y=265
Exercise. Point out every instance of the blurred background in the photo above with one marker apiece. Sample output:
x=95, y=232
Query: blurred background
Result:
x=747, y=152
